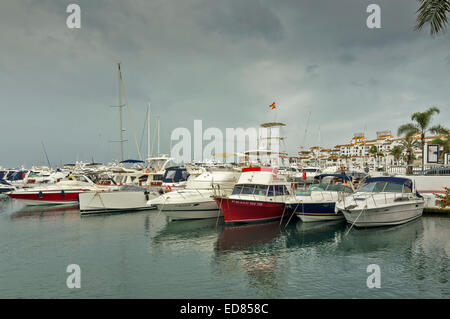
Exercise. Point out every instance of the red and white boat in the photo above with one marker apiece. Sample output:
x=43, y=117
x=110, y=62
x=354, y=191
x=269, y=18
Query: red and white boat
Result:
x=259, y=195
x=64, y=192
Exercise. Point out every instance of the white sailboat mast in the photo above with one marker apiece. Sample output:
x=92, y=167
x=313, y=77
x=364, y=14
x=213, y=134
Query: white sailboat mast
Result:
x=157, y=123
x=148, y=130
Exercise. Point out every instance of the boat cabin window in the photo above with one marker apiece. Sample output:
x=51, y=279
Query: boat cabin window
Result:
x=384, y=187
x=407, y=189
x=373, y=187
x=339, y=188
x=170, y=175
x=318, y=187
x=261, y=190
x=280, y=190
x=157, y=177
x=143, y=178
x=248, y=189
x=393, y=188
x=237, y=190
x=184, y=175
x=79, y=178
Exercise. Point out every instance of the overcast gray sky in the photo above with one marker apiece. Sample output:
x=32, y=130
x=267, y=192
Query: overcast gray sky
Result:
x=222, y=61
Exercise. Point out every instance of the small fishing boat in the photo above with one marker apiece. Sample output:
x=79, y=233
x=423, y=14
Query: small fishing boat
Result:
x=259, y=195
x=317, y=203
x=382, y=201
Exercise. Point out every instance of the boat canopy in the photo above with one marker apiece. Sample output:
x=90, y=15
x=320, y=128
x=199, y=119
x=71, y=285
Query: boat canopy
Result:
x=3, y=182
x=132, y=161
x=342, y=176
x=175, y=175
x=16, y=175
x=395, y=180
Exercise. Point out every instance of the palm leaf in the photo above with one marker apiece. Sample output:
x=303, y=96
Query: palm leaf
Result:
x=408, y=129
x=439, y=130
x=434, y=14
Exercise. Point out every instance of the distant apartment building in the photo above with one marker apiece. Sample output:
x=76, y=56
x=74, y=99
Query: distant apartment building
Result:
x=357, y=151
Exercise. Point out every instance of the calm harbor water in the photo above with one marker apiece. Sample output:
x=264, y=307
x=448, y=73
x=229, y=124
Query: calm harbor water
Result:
x=141, y=255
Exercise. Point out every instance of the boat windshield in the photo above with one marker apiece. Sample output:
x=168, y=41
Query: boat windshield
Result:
x=378, y=187
x=318, y=187
x=260, y=190
x=330, y=188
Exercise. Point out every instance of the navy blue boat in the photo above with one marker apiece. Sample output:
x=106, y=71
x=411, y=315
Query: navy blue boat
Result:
x=317, y=203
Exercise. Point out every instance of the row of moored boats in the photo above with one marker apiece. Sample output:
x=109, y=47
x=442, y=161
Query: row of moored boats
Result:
x=239, y=194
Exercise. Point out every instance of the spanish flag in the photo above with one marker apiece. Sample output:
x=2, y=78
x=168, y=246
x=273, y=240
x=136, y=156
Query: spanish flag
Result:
x=272, y=106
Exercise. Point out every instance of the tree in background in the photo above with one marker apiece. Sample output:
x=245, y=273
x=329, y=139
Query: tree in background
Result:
x=421, y=125
x=443, y=142
x=397, y=152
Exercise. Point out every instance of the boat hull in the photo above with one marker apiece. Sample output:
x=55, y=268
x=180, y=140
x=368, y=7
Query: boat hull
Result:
x=245, y=211
x=385, y=216
x=316, y=212
x=47, y=198
x=191, y=210
x=98, y=202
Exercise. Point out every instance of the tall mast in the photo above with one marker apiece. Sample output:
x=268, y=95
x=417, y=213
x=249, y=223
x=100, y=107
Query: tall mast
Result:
x=148, y=130
x=120, y=111
x=157, y=123
x=46, y=156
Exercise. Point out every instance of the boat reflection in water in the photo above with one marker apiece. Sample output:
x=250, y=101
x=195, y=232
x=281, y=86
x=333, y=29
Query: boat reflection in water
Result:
x=246, y=236
x=363, y=240
x=256, y=249
x=47, y=212
x=181, y=234
x=316, y=233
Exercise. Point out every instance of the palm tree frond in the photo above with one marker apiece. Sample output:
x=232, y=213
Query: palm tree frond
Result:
x=434, y=14
x=439, y=129
x=408, y=129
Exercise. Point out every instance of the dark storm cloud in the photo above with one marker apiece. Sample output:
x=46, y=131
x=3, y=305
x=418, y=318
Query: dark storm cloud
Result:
x=250, y=18
x=220, y=61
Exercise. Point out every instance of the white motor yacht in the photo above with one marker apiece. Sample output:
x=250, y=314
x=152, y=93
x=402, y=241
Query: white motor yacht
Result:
x=382, y=201
x=195, y=200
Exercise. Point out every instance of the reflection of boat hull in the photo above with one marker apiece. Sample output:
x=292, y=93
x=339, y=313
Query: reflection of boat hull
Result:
x=193, y=212
x=385, y=215
x=97, y=202
x=386, y=238
x=51, y=197
x=312, y=228
x=236, y=210
x=313, y=212
x=36, y=211
x=317, y=233
x=244, y=236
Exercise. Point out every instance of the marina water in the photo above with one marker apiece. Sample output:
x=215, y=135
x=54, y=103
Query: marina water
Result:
x=142, y=255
